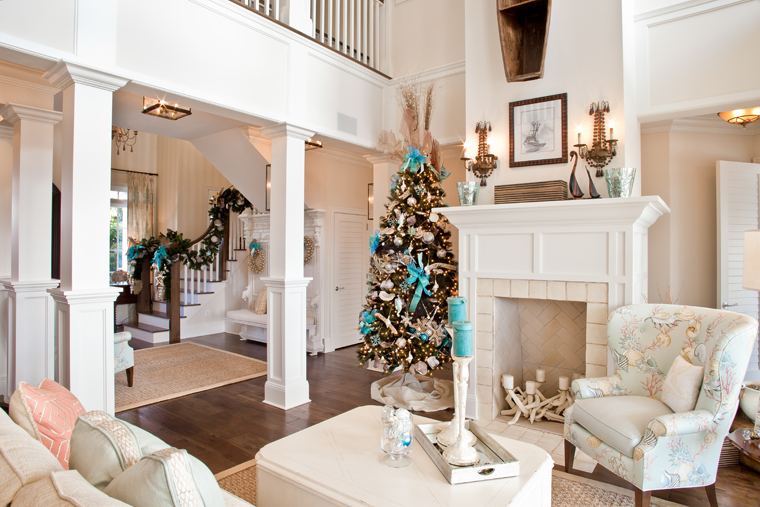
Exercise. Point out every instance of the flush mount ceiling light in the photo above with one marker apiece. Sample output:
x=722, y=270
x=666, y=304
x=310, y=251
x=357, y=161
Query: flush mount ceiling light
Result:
x=163, y=109
x=312, y=144
x=741, y=116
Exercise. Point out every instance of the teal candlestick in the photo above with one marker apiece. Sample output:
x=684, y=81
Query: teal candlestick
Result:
x=462, y=339
x=457, y=310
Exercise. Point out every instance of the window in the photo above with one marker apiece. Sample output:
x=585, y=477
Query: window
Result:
x=118, y=242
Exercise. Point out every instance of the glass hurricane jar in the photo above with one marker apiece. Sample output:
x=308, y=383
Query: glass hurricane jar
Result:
x=396, y=437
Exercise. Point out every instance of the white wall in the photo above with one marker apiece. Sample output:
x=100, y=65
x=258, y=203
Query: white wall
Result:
x=584, y=59
x=679, y=165
x=50, y=23
x=694, y=57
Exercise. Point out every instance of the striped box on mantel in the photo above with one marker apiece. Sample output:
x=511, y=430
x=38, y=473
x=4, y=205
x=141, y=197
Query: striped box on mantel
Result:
x=539, y=191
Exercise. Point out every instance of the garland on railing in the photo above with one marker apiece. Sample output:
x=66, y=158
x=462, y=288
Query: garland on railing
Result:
x=174, y=247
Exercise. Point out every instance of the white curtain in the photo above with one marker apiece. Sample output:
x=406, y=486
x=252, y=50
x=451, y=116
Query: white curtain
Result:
x=141, y=205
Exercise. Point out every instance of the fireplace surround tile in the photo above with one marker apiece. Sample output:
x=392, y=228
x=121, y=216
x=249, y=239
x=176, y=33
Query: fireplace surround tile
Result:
x=501, y=288
x=519, y=289
x=556, y=291
x=485, y=286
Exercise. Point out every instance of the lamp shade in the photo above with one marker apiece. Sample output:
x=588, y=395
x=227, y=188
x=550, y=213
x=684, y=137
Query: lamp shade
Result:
x=751, y=268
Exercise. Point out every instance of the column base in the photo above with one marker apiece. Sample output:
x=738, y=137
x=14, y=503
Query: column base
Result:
x=286, y=385
x=84, y=329
x=31, y=338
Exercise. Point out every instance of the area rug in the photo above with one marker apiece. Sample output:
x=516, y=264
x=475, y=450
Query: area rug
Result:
x=567, y=490
x=171, y=371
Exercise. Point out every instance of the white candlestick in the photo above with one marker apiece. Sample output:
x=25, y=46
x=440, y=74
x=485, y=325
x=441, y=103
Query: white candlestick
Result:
x=541, y=375
x=530, y=387
x=564, y=383
x=508, y=381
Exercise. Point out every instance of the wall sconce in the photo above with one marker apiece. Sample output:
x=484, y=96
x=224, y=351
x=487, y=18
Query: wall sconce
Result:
x=484, y=164
x=123, y=139
x=741, y=116
x=370, y=200
x=602, y=149
x=162, y=109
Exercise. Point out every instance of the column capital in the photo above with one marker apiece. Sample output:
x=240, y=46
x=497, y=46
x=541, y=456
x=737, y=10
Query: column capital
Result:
x=382, y=158
x=14, y=113
x=6, y=132
x=85, y=296
x=286, y=283
x=289, y=130
x=29, y=286
x=63, y=74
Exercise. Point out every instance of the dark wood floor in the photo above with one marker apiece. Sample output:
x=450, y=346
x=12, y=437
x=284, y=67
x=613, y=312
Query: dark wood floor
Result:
x=226, y=426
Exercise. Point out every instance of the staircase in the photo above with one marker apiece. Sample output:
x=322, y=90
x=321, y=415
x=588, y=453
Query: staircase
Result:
x=201, y=295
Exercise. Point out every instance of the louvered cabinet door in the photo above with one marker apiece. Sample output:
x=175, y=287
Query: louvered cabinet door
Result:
x=349, y=250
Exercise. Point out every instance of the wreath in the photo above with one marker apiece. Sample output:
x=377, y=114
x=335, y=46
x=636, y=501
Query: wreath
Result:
x=308, y=249
x=258, y=258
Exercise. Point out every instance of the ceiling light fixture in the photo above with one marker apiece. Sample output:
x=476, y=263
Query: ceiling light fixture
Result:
x=741, y=116
x=123, y=139
x=163, y=109
x=312, y=144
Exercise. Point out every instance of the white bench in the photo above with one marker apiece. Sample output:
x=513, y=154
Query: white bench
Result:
x=255, y=325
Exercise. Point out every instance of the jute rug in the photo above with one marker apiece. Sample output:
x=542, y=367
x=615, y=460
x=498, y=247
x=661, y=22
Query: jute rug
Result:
x=567, y=490
x=163, y=373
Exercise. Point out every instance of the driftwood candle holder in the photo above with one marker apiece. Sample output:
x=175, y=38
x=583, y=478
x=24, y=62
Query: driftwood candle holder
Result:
x=532, y=404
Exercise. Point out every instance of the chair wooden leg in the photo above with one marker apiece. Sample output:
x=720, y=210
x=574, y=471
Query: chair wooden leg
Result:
x=569, y=457
x=711, y=495
x=130, y=376
x=642, y=497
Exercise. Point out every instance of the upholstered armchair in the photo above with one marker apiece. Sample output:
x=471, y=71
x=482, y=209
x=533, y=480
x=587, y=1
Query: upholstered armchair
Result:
x=621, y=420
x=124, y=356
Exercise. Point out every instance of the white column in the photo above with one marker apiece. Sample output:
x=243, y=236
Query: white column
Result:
x=31, y=349
x=286, y=385
x=6, y=179
x=84, y=301
x=383, y=167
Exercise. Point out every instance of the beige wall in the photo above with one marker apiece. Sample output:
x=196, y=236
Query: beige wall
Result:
x=680, y=167
x=183, y=177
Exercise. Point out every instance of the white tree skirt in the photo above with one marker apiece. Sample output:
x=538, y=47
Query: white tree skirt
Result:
x=414, y=392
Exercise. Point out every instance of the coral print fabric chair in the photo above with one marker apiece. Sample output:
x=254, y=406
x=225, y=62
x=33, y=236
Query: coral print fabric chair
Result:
x=660, y=421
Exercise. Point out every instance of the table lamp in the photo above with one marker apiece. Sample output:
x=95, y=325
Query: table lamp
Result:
x=751, y=279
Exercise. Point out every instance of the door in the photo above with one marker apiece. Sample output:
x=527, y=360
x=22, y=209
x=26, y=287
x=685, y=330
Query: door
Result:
x=348, y=277
x=738, y=191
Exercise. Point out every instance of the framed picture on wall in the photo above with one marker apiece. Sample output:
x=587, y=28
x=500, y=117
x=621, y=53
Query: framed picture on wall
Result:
x=538, y=131
x=268, y=197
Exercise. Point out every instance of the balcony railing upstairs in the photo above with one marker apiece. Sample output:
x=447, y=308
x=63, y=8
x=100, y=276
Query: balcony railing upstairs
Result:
x=351, y=27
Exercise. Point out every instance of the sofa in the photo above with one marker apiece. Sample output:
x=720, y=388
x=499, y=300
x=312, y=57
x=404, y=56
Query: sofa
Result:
x=32, y=476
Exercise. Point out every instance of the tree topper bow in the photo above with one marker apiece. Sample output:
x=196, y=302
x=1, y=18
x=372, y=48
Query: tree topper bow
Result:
x=413, y=159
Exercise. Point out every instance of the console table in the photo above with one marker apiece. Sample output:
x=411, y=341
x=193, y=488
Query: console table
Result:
x=337, y=462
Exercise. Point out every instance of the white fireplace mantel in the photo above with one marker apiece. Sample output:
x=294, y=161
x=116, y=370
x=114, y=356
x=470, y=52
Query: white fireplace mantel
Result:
x=576, y=250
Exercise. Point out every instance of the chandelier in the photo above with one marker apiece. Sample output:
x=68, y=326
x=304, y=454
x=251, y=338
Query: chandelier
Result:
x=123, y=138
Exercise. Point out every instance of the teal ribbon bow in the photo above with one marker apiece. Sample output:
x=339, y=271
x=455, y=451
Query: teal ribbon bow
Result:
x=254, y=246
x=444, y=173
x=413, y=159
x=160, y=257
x=417, y=275
x=374, y=242
x=394, y=180
x=367, y=319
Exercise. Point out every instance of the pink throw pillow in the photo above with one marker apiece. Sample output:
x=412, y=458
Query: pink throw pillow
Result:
x=49, y=413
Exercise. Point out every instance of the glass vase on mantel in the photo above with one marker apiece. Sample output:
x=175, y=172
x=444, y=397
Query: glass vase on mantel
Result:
x=620, y=181
x=468, y=193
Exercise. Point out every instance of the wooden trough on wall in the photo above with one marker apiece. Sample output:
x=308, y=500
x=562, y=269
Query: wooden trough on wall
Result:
x=524, y=32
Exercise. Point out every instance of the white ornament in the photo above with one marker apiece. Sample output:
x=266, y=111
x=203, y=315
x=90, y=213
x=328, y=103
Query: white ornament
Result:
x=428, y=237
x=401, y=343
x=387, y=284
x=386, y=297
x=411, y=201
x=434, y=217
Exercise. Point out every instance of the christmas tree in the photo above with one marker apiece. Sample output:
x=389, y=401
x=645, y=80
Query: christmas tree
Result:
x=412, y=271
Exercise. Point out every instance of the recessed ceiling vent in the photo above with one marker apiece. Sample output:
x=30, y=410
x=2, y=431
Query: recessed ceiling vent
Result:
x=347, y=124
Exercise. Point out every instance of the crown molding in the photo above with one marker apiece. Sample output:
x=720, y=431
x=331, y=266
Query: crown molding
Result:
x=682, y=6
x=289, y=130
x=340, y=155
x=17, y=112
x=50, y=90
x=63, y=74
x=6, y=132
x=383, y=158
x=700, y=125
x=440, y=72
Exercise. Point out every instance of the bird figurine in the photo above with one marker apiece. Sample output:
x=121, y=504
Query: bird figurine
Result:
x=591, y=187
x=575, y=189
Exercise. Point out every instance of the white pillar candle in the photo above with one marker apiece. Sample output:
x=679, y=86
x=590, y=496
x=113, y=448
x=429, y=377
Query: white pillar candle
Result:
x=508, y=381
x=530, y=387
x=564, y=383
x=541, y=375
